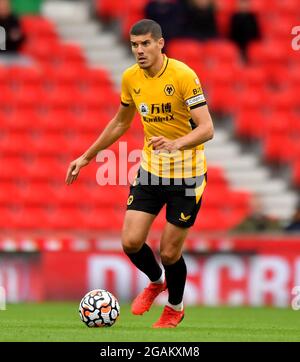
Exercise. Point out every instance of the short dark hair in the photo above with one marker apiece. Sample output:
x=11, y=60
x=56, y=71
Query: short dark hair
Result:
x=146, y=26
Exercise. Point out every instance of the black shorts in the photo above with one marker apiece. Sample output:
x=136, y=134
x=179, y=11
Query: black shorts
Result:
x=182, y=197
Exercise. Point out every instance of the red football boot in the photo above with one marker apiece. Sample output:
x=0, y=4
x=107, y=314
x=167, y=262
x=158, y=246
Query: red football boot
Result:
x=142, y=303
x=170, y=318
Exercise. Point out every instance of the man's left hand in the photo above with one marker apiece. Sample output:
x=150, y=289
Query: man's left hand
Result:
x=161, y=144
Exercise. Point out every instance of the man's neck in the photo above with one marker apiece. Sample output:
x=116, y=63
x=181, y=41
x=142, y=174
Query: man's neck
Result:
x=152, y=71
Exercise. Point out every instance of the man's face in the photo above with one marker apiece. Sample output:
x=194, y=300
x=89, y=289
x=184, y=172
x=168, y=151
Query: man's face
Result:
x=146, y=49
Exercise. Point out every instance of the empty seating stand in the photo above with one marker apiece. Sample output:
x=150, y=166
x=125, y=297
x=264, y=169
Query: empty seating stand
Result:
x=52, y=111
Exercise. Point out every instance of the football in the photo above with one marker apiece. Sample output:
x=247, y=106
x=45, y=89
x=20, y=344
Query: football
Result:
x=99, y=308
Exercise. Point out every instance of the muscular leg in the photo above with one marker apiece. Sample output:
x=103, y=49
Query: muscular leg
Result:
x=171, y=256
x=134, y=234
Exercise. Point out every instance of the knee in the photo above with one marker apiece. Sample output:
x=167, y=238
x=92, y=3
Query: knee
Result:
x=169, y=257
x=131, y=245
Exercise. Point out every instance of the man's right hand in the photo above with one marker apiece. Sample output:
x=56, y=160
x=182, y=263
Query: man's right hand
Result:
x=74, y=168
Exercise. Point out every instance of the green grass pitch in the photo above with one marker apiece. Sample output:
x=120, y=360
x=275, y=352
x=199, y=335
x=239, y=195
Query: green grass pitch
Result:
x=60, y=322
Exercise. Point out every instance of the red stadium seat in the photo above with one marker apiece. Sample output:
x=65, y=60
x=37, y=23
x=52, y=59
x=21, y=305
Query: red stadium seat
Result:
x=33, y=195
x=282, y=100
x=3, y=75
x=44, y=168
x=296, y=173
x=97, y=77
x=269, y=52
x=61, y=99
x=21, y=218
x=288, y=7
x=10, y=193
x=225, y=51
x=279, y=148
x=66, y=196
x=15, y=144
x=39, y=49
x=279, y=27
x=193, y=50
x=227, y=77
x=249, y=123
x=254, y=76
x=216, y=177
x=133, y=12
x=63, y=219
x=18, y=77
x=12, y=168
x=63, y=75
x=210, y=220
x=69, y=54
x=225, y=6
x=250, y=98
x=221, y=98
x=110, y=8
x=36, y=26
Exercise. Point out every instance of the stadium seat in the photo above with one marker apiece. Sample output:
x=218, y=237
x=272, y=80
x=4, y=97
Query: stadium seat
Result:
x=23, y=218
x=282, y=100
x=63, y=75
x=209, y=220
x=216, y=177
x=69, y=54
x=65, y=218
x=193, y=50
x=278, y=123
x=10, y=193
x=3, y=74
x=279, y=27
x=250, y=99
x=279, y=148
x=19, y=77
x=269, y=52
x=110, y=9
x=40, y=50
x=226, y=51
x=45, y=168
x=220, y=98
x=225, y=6
x=246, y=123
x=296, y=173
x=253, y=76
x=37, y=26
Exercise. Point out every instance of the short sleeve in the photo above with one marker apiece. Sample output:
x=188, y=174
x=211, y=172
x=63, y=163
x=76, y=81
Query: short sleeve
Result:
x=191, y=90
x=126, y=98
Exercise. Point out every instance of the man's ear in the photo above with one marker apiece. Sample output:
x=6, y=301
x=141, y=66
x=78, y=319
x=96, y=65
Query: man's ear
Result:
x=161, y=43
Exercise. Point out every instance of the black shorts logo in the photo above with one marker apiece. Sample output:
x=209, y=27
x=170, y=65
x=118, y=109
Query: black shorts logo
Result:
x=130, y=199
x=184, y=218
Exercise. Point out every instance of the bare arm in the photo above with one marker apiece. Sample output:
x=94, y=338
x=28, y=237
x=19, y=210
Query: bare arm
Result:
x=202, y=133
x=112, y=132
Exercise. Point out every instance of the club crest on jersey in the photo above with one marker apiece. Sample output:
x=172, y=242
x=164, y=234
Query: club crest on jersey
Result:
x=144, y=109
x=169, y=89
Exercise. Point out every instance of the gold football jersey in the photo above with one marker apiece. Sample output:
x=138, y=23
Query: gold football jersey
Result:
x=164, y=102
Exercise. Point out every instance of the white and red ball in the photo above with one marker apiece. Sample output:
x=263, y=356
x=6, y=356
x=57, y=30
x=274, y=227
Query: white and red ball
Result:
x=99, y=308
